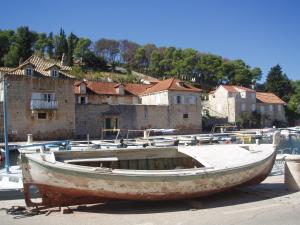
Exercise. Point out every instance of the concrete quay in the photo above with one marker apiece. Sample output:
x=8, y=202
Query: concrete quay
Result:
x=267, y=203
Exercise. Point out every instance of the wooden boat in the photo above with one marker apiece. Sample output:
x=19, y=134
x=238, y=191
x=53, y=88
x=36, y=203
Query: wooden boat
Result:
x=70, y=178
x=12, y=180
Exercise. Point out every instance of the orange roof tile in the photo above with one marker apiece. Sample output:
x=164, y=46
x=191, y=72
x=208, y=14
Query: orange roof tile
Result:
x=171, y=84
x=109, y=88
x=270, y=98
x=102, y=88
x=136, y=89
x=235, y=88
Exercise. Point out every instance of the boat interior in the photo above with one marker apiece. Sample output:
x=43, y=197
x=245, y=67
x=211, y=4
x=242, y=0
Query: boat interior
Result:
x=132, y=159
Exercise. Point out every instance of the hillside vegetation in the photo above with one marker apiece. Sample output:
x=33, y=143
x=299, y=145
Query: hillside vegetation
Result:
x=98, y=61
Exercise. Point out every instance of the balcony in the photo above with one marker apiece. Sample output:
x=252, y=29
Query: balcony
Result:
x=40, y=104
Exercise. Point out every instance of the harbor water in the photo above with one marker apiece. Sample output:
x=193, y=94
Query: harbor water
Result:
x=288, y=145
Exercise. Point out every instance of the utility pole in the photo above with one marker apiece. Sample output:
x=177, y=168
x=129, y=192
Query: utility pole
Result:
x=5, y=123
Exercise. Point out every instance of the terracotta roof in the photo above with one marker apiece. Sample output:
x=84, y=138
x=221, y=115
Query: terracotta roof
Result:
x=41, y=66
x=235, y=88
x=270, y=98
x=171, y=84
x=109, y=88
x=136, y=89
x=102, y=88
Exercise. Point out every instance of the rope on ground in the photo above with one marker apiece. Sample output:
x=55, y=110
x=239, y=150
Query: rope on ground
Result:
x=21, y=212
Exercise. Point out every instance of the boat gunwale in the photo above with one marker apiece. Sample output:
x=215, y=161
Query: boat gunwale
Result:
x=72, y=168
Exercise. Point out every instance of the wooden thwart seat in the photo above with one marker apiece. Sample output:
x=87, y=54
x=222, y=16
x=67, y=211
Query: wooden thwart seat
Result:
x=105, y=159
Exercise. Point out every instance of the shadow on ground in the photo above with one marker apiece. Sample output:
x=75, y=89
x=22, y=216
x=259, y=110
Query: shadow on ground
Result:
x=237, y=196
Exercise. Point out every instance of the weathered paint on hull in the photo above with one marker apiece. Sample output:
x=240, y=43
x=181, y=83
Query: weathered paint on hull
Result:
x=60, y=187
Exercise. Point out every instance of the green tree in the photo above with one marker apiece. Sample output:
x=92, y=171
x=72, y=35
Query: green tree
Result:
x=72, y=41
x=41, y=44
x=166, y=64
x=108, y=49
x=5, y=40
x=82, y=48
x=21, y=47
x=11, y=59
x=210, y=71
x=61, y=45
x=278, y=83
x=140, y=59
x=127, y=51
x=50, y=46
x=294, y=103
x=154, y=67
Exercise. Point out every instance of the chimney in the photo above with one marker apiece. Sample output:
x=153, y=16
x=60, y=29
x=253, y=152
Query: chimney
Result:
x=63, y=60
x=21, y=60
x=120, y=89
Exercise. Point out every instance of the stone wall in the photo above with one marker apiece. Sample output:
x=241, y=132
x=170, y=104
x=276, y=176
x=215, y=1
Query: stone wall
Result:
x=270, y=113
x=59, y=123
x=90, y=119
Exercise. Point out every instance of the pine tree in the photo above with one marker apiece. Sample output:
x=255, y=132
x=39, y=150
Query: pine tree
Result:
x=61, y=45
x=50, y=46
x=21, y=46
x=72, y=41
x=278, y=83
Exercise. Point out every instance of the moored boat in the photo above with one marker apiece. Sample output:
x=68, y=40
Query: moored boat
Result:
x=70, y=177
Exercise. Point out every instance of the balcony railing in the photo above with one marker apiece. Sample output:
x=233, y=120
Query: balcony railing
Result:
x=43, y=104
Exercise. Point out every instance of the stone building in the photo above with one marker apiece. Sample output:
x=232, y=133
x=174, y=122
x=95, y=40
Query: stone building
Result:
x=167, y=104
x=271, y=107
x=44, y=100
x=230, y=101
x=40, y=100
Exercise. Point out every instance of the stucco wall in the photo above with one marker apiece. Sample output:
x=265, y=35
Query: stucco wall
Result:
x=157, y=98
x=168, y=98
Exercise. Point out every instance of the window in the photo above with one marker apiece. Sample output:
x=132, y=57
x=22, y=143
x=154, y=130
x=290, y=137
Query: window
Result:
x=54, y=73
x=82, y=99
x=279, y=108
x=42, y=116
x=178, y=99
x=28, y=71
x=192, y=100
x=82, y=88
x=271, y=108
x=47, y=97
x=253, y=96
x=243, y=94
x=243, y=107
x=253, y=107
x=185, y=116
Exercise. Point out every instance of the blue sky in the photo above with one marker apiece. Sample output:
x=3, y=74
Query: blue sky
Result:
x=261, y=32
